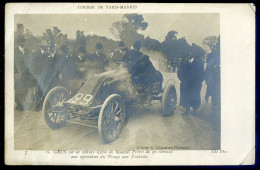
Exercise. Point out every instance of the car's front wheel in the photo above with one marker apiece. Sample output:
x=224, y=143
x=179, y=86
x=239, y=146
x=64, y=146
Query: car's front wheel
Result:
x=111, y=118
x=54, y=113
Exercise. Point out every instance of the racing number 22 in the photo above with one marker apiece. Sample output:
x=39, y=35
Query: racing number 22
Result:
x=79, y=96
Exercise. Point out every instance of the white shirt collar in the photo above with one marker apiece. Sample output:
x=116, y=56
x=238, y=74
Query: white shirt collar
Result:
x=42, y=51
x=81, y=58
x=21, y=49
x=52, y=54
x=191, y=60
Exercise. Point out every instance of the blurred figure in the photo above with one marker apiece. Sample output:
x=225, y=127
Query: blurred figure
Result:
x=168, y=68
x=39, y=71
x=99, y=60
x=68, y=70
x=81, y=61
x=53, y=77
x=81, y=54
x=143, y=73
x=44, y=68
x=83, y=66
x=119, y=54
x=191, y=75
x=22, y=74
x=174, y=65
x=212, y=78
x=133, y=55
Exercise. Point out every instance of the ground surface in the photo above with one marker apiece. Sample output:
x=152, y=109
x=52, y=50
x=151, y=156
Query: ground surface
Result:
x=145, y=127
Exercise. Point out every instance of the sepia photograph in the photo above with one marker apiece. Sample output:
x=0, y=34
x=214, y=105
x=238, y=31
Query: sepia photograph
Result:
x=120, y=83
x=113, y=77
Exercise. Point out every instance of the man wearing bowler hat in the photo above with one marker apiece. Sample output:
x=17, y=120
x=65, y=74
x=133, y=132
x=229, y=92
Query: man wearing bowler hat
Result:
x=21, y=73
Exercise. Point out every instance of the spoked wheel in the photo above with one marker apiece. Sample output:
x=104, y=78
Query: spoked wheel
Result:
x=169, y=100
x=111, y=118
x=53, y=109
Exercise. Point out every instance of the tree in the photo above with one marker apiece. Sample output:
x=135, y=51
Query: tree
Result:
x=99, y=46
x=32, y=43
x=117, y=28
x=127, y=29
x=175, y=49
x=210, y=41
x=80, y=43
x=80, y=38
x=197, y=52
x=152, y=44
x=55, y=38
x=171, y=35
x=56, y=31
x=137, y=21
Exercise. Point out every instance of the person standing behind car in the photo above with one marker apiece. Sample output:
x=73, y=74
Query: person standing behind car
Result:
x=133, y=55
x=99, y=60
x=22, y=73
x=55, y=60
x=68, y=70
x=81, y=62
x=42, y=70
x=38, y=72
x=119, y=54
x=82, y=66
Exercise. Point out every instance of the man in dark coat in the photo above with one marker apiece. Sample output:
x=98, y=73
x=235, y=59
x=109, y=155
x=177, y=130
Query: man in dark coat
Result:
x=45, y=65
x=39, y=69
x=212, y=78
x=191, y=75
x=22, y=73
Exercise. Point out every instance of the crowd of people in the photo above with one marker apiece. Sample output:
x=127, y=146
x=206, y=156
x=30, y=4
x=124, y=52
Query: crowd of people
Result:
x=50, y=66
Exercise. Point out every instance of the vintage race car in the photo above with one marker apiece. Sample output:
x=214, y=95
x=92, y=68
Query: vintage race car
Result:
x=104, y=99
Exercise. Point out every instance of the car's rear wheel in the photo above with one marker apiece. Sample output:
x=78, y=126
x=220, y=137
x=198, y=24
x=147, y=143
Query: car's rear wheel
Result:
x=169, y=100
x=53, y=110
x=111, y=118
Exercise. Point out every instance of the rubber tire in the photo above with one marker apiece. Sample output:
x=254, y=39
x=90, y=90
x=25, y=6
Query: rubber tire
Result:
x=101, y=115
x=166, y=91
x=46, y=117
